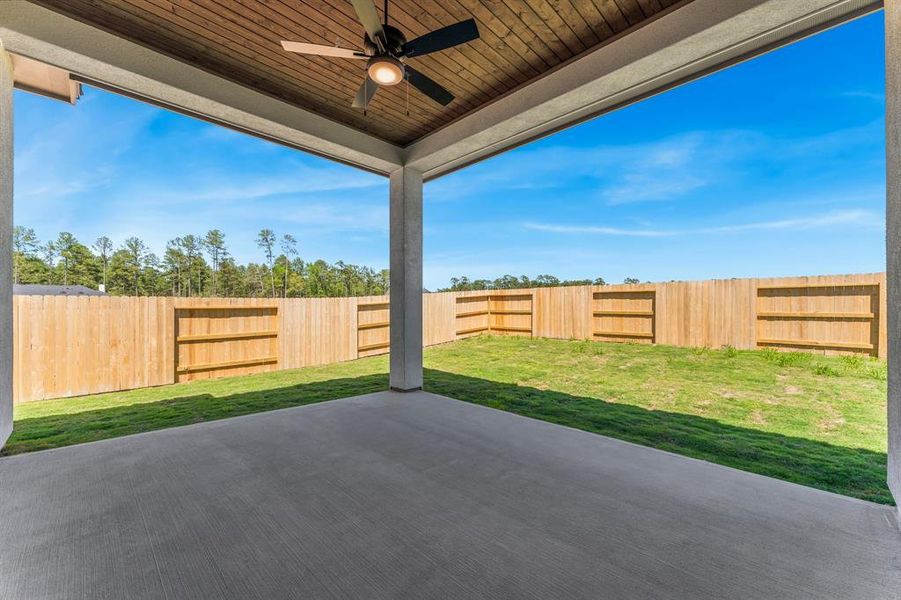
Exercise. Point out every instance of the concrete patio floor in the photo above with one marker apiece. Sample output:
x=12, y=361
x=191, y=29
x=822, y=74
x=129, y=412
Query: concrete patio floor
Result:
x=419, y=496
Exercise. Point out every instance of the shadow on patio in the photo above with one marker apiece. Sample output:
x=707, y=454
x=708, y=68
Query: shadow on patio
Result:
x=851, y=471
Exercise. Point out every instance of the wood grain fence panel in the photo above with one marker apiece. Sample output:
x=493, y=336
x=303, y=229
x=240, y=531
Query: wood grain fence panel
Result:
x=373, y=332
x=882, y=337
x=831, y=315
x=624, y=314
x=325, y=329
x=670, y=304
x=562, y=312
x=699, y=303
x=439, y=322
x=289, y=331
x=510, y=313
x=221, y=338
x=20, y=345
x=471, y=314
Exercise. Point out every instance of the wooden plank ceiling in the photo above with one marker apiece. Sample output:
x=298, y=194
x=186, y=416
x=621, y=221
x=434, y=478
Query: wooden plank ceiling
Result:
x=240, y=40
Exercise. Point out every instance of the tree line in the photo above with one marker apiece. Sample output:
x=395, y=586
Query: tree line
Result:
x=201, y=265
x=512, y=282
x=191, y=265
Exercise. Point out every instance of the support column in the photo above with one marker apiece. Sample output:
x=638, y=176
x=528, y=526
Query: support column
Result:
x=6, y=228
x=406, y=280
x=893, y=237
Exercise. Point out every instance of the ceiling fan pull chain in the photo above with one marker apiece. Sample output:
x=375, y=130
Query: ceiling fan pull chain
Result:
x=408, y=97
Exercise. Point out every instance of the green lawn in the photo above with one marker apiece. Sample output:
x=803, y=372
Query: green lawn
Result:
x=814, y=420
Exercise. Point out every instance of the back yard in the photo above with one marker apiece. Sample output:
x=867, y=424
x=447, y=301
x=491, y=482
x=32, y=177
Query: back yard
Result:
x=815, y=420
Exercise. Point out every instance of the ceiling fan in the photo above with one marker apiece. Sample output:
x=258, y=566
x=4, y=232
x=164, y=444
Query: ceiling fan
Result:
x=386, y=50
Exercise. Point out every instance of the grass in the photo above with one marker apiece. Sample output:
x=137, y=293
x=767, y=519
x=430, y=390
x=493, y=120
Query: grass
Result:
x=815, y=420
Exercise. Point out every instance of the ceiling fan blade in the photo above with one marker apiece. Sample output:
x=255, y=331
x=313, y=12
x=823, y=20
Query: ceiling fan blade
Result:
x=442, y=39
x=365, y=93
x=369, y=17
x=320, y=50
x=428, y=87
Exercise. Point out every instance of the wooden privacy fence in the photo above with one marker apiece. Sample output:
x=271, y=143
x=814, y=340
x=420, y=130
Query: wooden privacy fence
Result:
x=69, y=346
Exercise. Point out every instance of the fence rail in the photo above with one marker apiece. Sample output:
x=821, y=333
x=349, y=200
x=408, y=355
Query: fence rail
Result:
x=69, y=346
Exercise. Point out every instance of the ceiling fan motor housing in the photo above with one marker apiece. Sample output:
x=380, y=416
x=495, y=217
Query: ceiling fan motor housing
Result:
x=395, y=41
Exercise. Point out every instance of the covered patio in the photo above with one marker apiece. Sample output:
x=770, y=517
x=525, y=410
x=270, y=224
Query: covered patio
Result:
x=415, y=495
x=404, y=493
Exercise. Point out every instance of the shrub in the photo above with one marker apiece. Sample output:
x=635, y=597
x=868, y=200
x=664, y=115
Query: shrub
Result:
x=786, y=359
x=826, y=371
x=853, y=362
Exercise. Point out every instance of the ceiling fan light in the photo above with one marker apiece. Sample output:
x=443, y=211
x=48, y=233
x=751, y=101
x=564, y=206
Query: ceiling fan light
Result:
x=385, y=70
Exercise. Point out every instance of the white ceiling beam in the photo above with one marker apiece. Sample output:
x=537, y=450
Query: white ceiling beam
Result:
x=681, y=45
x=98, y=57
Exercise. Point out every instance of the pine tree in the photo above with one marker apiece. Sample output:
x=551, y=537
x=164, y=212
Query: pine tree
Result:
x=266, y=241
x=135, y=258
x=25, y=246
x=104, y=248
x=214, y=244
x=289, y=247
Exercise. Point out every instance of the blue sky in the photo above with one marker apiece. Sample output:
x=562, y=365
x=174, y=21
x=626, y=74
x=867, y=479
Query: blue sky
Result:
x=773, y=167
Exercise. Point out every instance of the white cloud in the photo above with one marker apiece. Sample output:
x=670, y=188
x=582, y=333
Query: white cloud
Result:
x=650, y=187
x=865, y=95
x=70, y=152
x=296, y=180
x=840, y=218
x=658, y=171
x=598, y=230
x=829, y=146
x=644, y=172
x=340, y=216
